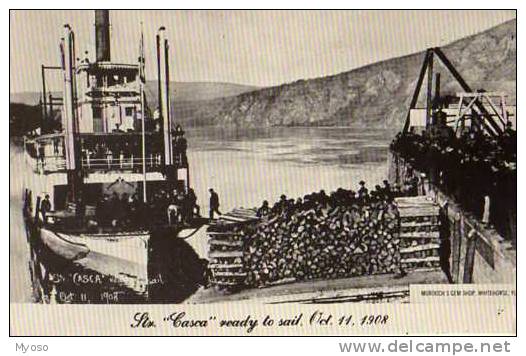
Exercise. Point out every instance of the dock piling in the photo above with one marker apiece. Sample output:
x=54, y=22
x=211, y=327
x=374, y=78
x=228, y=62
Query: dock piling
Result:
x=470, y=257
x=456, y=248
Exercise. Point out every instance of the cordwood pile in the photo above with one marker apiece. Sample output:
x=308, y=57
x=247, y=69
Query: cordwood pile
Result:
x=344, y=234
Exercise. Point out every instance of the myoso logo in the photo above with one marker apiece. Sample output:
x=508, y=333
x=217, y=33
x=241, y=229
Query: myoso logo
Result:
x=31, y=348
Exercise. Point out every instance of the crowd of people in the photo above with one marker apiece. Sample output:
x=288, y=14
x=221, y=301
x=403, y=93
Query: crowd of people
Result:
x=164, y=208
x=320, y=202
x=470, y=167
x=117, y=152
x=121, y=152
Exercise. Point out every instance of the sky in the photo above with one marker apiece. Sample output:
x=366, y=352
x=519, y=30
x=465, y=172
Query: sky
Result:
x=261, y=48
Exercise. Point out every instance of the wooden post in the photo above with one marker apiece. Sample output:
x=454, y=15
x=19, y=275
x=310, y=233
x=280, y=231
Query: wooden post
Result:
x=30, y=201
x=429, y=94
x=456, y=245
x=187, y=179
x=37, y=209
x=24, y=199
x=471, y=241
x=399, y=169
x=414, y=99
x=437, y=85
x=423, y=184
x=50, y=116
x=485, y=215
x=44, y=103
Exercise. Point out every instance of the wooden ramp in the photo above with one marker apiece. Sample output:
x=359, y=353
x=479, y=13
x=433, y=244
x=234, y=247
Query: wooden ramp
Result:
x=419, y=232
x=226, y=247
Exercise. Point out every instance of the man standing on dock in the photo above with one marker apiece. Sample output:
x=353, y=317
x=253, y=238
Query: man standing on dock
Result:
x=45, y=207
x=214, y=203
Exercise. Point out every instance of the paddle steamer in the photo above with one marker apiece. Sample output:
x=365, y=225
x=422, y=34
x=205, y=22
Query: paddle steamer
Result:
x=106, y=164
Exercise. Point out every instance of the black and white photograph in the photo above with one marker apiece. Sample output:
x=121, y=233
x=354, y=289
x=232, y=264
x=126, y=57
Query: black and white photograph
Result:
x=226, y=159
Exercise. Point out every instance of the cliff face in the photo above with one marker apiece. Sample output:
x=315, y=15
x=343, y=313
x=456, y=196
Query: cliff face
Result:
x=375, y=95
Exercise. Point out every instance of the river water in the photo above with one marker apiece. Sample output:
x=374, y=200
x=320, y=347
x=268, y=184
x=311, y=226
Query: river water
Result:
x=244, y=166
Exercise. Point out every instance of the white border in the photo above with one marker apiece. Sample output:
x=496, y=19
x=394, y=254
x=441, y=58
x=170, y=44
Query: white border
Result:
x=214, y=346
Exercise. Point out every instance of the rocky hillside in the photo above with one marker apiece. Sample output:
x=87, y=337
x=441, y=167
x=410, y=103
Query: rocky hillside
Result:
x=199, y=91
x=181, y=92
x=374, y=95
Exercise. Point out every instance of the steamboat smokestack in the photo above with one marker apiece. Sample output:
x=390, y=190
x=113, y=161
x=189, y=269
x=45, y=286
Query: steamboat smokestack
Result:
x=163, y=71
x=102, y=35
x=69, y=116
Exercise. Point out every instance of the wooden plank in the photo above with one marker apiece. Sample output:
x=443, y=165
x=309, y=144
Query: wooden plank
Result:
x=223, y=238
x=225, y=243
x=224, y=224
x=421, y=199
x=418, y=260
x=225, y=265
x=232, y=218
x=229, y=274
x=418, y=214
x=470, y=257
x=419, y=211
x=225, y=283
x=429, y=246
x=407, y=224
x=456, y=245
x=220, y=233
x=244, y=212
x=252, y=210
x=225, y=254
x=420, y=235
x=244, y=218
x=417, y=205
x=240, y=212
x=486, y=250
x=412, y=202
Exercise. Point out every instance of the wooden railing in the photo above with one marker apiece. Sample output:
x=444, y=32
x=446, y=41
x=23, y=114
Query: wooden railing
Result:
x=50, y=164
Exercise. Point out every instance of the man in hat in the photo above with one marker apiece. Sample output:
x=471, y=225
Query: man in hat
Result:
x=386, y=189
x=363, y=192
x=180, y=145
x=214, y=203
x=264, y=210
x=45, y=207
x=192, y=203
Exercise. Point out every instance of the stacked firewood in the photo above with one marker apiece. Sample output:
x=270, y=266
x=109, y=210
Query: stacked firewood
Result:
x=323, y=243
x=323, y=238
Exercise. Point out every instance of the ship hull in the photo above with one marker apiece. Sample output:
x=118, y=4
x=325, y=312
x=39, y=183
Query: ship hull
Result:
x=122, y=257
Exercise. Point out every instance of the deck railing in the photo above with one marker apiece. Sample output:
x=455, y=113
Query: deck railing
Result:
x=52, y=164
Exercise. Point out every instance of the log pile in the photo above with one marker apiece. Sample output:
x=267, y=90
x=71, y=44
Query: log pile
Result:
x=337, y=243
x=321, y=240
